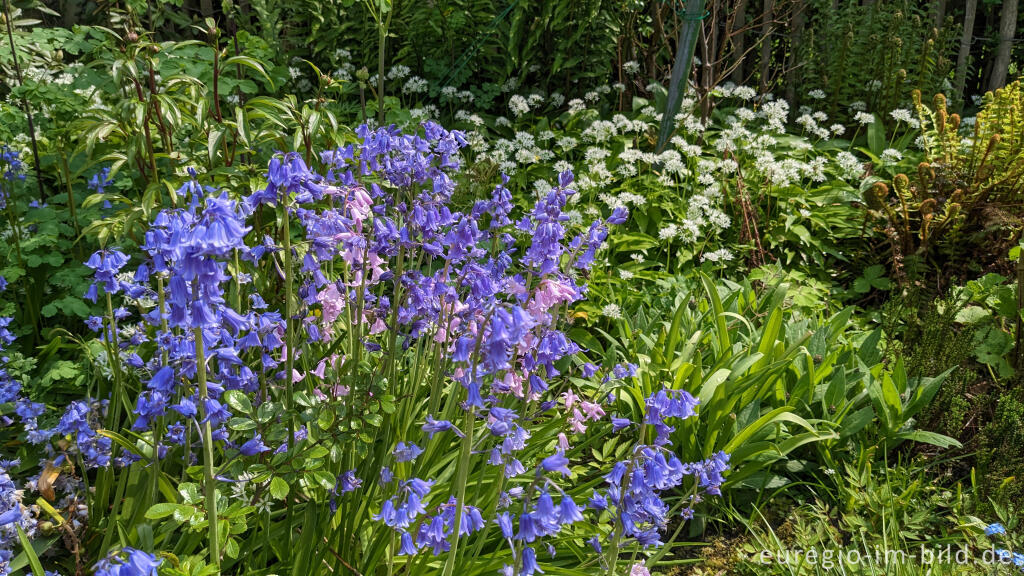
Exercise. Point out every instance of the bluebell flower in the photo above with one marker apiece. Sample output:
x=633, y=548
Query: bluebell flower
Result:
x=620, y=423
x=406, y=545
x=619, y=216
x=434, y=426
x=106, y=264
x=530, y=566
x=348, y=482
x=995, y=528
x=128, y=562
x=557, y=462
x=406, y=452
x=254, y=446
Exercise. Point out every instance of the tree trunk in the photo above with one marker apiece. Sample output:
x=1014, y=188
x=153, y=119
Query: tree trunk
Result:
x=206, y=7
x=657, y=39
x=766, y=43
x=796, y=34
x=940, y=13
x=739, y=28
x=962, y=59
x=1007, y=27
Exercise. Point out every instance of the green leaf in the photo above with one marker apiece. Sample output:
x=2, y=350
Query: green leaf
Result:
x=972, y=315
x=326, y=418
x=278, y=488
x=721, y=327
x=237, y=400
x=869, y=352
x=231, y=548
x=26, y=546
x=856, y=422
x=876, y=137
x=165, y=509
x=933, y=438
x=241, y=424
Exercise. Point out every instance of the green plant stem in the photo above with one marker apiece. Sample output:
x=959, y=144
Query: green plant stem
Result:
x=290, y=361
x=613, y=550
x=71, y=195
x=382, y=42
x=158, y=429
x=209, y=486
x=115, y=367
x=290, y=322
x=460, y=488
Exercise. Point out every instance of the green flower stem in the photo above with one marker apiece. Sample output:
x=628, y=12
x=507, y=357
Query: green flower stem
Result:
x=460, y=487
x=289, y=312
x=613, y=551
x=289, y=278
x=114, y=411
x=207, y=432
x=158, y=428
x=71, y=196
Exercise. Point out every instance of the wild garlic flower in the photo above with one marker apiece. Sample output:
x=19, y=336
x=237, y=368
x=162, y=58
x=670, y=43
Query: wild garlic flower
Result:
x=849, y=166
x=415, y=85
x=744, y=93
x=612, y=311
x=864, y=118
x=398, y=72
x=720, y=255
x=595, y=154
x=905, y=116
x=562, y=166
x=891, y=156
x=518, y=105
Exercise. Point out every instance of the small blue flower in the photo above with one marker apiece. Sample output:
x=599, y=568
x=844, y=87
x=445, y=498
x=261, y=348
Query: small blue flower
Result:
x=995, y=528
x=407, y=452
x=254, y=446
x=128, y=562
x=557, y=462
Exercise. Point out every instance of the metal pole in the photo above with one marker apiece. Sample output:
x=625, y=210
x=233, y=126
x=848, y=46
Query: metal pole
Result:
x=692, y=18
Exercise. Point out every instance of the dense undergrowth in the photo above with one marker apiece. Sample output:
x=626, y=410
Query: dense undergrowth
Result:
x=256, y=319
